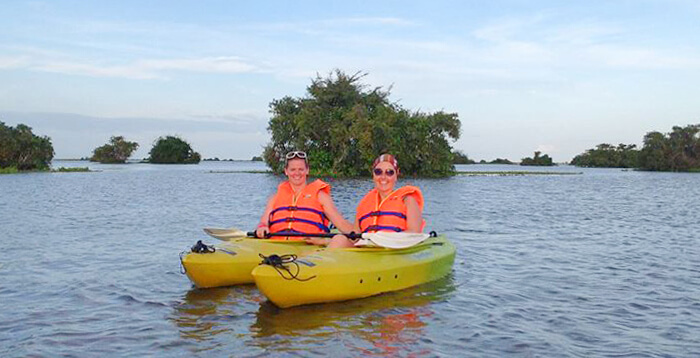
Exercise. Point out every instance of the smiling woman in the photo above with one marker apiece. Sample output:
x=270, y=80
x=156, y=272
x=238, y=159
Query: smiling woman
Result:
x=298, y=207
x=385, y=208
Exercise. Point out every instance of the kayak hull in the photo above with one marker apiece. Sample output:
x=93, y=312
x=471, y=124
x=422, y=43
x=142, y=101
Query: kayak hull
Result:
x=232, y=262
x=345, y=274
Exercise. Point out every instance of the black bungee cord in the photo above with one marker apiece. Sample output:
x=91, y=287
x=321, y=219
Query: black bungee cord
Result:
x=279, y=263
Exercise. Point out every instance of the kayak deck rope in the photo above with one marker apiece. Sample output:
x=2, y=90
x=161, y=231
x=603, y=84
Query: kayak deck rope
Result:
x=199, y=248
x=202, y=248
x=279, y=263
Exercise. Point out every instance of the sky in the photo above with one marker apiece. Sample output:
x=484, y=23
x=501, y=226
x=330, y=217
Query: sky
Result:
x=558, y=77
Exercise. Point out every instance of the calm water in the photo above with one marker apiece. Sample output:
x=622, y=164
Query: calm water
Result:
x=601, y=264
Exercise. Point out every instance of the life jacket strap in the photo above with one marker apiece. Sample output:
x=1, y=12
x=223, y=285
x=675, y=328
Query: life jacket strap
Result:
x=381, y=227
x=380, y=213
x=310, y=222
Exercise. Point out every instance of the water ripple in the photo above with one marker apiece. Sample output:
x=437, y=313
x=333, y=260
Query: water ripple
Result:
x=603, y=264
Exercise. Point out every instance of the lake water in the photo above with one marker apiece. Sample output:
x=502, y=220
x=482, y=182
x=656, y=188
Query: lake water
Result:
x=605, y=263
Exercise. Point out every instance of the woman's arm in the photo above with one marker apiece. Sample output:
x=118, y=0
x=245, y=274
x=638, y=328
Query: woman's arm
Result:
x=263, y=227
x=333, y=214
x=414, y=216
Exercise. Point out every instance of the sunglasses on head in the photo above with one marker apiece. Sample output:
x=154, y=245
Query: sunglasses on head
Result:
x=295, y=154
x=388, y=172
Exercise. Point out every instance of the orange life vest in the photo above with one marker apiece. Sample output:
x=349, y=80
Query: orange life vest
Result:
x=299, y=213
x=374, y=214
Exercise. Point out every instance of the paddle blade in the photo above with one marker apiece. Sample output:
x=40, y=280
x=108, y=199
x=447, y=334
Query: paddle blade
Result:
x=396, y=240
x=225, y=234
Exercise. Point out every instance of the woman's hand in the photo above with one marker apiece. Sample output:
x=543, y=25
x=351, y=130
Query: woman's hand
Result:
x=261, y=231
x=318, y=241
x=341, y=241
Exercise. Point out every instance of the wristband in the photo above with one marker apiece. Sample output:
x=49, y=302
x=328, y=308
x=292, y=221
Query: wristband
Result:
x=261, y=225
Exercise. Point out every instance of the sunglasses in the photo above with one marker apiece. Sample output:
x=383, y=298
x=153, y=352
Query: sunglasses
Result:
x=388, y=172
x=295, y=154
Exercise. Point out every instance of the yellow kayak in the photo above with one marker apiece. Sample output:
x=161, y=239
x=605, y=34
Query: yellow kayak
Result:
x=232, y=262
x=344, y=274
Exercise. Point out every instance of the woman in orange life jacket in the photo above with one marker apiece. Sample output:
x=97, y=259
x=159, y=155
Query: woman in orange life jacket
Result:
x=300, y=207
x=385, y=208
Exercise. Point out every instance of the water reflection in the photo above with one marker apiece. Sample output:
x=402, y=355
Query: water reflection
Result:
x=379, y=325
x=206, y=313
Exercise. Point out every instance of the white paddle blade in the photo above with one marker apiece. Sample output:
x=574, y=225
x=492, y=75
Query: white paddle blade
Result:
x=396, y=240
x=224, y=234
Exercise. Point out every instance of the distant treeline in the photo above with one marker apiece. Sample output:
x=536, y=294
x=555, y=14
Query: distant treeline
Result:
x=678, y=151
x=165, y=150
x=22, y=150
x=538, y=160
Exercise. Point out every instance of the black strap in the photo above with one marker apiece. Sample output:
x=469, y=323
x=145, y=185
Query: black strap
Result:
x=202, y=248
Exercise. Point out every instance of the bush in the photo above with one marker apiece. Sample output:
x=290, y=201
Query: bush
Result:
x=173, y=150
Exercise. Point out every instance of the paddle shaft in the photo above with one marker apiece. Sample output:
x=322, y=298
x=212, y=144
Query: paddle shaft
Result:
x=301, y=234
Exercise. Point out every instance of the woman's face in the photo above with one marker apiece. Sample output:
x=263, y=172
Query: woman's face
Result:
x=296, y=171
x=384, y=182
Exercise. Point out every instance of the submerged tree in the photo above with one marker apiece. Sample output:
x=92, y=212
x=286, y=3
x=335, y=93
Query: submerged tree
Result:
x=537, y=160
x=118, y=150
x=343, y=126
x=461, y=158
x=173, y=150
x=21, y=149
x=607, y=156
x=678, y=150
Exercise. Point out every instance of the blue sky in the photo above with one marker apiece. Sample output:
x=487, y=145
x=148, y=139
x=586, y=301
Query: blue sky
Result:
x=555, y=76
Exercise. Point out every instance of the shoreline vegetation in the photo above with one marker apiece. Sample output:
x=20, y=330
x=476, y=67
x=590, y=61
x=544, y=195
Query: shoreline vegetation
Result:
x=343, y=125
x=467, y=173
x=675, y=151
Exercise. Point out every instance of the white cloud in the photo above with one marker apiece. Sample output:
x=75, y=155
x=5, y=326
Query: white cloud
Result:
x=9, y=62
x=146, y=69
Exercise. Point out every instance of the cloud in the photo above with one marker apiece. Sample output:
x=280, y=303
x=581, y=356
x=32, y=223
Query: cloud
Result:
x=364, y=21
x=9, y=62
x=142, y=69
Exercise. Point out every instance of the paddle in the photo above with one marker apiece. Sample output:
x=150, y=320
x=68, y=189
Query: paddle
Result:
x=392, y=240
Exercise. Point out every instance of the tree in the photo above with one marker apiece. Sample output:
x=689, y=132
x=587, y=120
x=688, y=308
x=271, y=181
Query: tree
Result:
x=544, y=160
x=607, y=156
x=117, y=150
x=343, y=126
x=173, y=150
x=461, y=158
x=678, y=150
x=21, y=149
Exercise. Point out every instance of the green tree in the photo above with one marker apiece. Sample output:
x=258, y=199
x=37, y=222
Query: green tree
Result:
x=173, y=150
x=461, y=158
x=117, y=150
x=678, y=150
x=607, y=156
x=343, y=126
x=537, y=160
x=21, y=149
